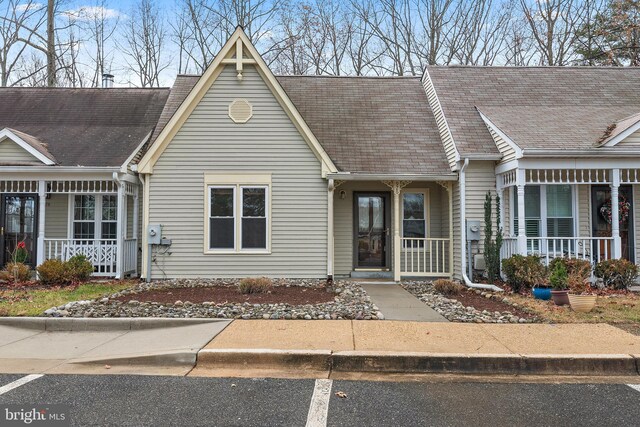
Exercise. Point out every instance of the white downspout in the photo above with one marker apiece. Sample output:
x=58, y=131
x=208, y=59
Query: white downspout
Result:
x=463, y=233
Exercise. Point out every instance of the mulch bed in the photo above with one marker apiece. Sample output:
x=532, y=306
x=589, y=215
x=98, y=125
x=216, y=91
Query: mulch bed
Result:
x=471, y=299
x=292, y=295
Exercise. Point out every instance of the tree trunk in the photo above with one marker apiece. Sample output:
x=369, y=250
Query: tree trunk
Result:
x=51, y=47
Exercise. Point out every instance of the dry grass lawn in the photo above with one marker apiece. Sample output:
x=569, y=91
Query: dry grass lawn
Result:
x=33, y=302
x=618, y=310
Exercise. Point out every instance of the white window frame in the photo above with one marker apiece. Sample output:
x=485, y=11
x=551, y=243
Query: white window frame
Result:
x=543, y=210
x=427, y=208
x=97, y=218
x=235, y=228
x=238, y=181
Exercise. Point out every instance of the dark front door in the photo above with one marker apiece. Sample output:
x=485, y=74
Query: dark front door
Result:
x=371, y=229
x=18, y=215
x=601, y=222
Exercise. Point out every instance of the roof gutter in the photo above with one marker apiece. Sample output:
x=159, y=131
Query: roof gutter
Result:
x=463, y=232
x=599, y=152
x=63, y=169
x=348, y=176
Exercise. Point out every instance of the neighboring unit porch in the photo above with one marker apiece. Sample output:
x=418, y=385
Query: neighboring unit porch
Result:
x=390, y=228
x=97, y=217
x=586, y=213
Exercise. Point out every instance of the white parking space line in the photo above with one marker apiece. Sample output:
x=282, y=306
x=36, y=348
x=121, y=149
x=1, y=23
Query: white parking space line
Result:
x=319, y=408
x=19, y=382
x=636, y=387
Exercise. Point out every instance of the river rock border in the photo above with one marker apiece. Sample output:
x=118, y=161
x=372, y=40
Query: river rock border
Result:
x=351, y=302
x=455, y=311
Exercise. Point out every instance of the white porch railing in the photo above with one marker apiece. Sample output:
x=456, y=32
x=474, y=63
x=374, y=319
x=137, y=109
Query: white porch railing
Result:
x=130, y=256
x=509, y=247
x=593, y=249
x=425, y=257
x=101, y=253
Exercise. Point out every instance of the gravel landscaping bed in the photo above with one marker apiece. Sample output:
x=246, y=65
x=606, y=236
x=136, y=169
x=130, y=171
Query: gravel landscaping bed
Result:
x=350, y=302
x=496, y=308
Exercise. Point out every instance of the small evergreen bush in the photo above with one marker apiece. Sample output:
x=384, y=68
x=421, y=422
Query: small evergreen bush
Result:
x=617, y=273
x=524, y=272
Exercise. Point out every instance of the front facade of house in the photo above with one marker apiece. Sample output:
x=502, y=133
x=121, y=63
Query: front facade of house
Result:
x=241, y=173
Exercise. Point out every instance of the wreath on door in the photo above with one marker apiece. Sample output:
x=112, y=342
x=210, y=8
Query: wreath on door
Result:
x=623, y=210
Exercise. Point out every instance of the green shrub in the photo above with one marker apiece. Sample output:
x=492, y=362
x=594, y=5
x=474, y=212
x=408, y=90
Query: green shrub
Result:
x=578, y=273
x=559, y=277
x=617, y=273
x=524, y=272
x=17, y=272
x=448, y=287
x=78, y=269
x=52, y=272
x=254, y=285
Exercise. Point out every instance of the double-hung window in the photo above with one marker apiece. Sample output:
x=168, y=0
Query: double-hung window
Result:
x=94, y=217
x=414, y=217
x=238, y=216
x=549, y=212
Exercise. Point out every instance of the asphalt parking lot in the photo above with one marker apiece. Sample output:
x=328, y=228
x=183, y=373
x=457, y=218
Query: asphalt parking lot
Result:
x=189, y=401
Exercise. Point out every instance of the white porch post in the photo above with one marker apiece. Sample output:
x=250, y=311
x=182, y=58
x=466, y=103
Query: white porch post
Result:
x=330, y=237
x=136, y=219
x=450, y=192
x=42, y=202
x=616, y=250
x=396, y=231
x=120, y=230
x=522, y=230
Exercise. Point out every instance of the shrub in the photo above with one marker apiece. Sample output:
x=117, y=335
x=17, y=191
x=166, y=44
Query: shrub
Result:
x=492, y=247
x=524, y=272
x=617, y=273
x=52, y=272
x=78, y=269
x=254, y=285
x=578, y=268
x=559, y=277
x=448, y=287
x=18, y=272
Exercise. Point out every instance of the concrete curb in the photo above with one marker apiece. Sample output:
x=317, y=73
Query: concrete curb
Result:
x=170, y=358
x=316, y=360
x=422, y=363
x=61, y=324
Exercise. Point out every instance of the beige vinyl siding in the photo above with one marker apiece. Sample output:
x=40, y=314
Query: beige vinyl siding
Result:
x=507, y=195
x=10, y=152
x=457, y=261
x=445, y=134
x=632, y=140
x=343, y=218
x=210, y=142
x=56, y=225
x=636, y=220
x=584, y=209
x=480, y=179
x=507, y=151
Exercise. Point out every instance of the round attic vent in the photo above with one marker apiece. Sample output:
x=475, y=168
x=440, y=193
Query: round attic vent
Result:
x=240, y=111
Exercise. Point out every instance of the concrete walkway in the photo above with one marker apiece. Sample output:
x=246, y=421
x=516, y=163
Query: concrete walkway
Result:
x=124, y=345
x=397, y=304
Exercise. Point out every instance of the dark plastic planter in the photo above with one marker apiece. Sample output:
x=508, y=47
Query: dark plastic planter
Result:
x=542, y=293
x=560, y=297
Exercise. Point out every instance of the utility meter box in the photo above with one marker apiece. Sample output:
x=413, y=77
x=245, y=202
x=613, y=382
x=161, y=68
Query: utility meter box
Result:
x=154, y=234
x=473, y=230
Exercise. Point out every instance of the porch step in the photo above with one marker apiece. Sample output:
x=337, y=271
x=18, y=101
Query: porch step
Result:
x=372, y=274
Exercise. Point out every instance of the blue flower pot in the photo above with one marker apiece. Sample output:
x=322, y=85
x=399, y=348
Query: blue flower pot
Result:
x=542, y=293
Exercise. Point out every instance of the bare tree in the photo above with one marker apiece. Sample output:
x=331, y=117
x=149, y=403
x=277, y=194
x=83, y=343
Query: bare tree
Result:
x=553, y=24
x=144, y=43
x=19, y=25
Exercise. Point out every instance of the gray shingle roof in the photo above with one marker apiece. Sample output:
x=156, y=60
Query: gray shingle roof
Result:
x=365, y=124
x=537, y=107
x=86, y=127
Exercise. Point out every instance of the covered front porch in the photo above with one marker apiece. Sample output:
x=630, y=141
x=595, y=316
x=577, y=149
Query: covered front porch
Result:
x=390, y=228
x=580, y=212
x=60, y=216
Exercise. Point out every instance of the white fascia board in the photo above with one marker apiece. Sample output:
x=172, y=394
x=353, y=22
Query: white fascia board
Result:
x=505, y=167
x=496, y=129
x=56, y=172
x=6, y=133
x=578, y=163
x=390, y=177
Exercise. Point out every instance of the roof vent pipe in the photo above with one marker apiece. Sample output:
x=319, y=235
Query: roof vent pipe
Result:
x=107, y=81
